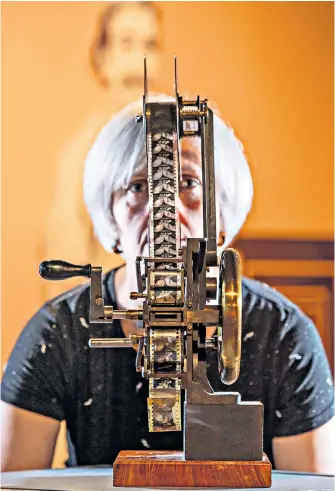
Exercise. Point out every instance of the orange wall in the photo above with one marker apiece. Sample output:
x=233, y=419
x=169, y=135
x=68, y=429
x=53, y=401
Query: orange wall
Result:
x=268, y=65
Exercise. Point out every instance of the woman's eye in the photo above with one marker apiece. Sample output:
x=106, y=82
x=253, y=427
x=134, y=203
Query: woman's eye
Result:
x=138, y=187
x=189, y=183
x=151, y=45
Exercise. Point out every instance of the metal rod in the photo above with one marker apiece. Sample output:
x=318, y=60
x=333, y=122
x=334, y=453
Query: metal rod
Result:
x=110, y=343
x=175, y=77
x=178, y=119
x=208, y=174
x=128, y=314
x=145, y=80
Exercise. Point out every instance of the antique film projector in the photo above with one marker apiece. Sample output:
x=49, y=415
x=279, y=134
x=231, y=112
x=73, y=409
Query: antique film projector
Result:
x=176, y=288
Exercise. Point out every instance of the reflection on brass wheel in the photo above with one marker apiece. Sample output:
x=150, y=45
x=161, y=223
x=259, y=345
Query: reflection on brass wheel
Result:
x=229, y=331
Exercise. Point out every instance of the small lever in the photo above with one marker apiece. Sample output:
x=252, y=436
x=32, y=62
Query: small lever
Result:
x=61, y=270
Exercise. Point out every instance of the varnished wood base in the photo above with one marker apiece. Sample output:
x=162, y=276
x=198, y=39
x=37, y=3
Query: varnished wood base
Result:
x=171, y=470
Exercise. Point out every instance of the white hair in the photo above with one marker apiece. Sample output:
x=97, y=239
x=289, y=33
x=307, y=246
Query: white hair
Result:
x=119, y=152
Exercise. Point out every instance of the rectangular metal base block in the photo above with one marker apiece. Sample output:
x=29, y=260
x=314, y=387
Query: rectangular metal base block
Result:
x=224, y=431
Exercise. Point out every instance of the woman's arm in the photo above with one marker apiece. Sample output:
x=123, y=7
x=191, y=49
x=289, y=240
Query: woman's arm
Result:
x=304, y=424
x=34, y=389
x=313, y=451
x=27, y=439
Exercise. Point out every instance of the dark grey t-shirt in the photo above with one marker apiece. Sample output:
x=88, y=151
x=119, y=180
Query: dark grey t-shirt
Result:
x=103, y=399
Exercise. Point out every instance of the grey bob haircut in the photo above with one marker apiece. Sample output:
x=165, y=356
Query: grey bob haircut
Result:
x=119, y=152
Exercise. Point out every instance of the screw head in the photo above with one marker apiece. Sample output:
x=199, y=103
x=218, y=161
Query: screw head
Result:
x=99, y=301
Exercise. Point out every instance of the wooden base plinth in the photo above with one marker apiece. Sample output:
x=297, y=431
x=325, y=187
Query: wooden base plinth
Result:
x=171, y=470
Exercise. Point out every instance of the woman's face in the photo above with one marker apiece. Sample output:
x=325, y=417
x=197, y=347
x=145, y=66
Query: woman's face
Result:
x=132, y=34
x=130, y=206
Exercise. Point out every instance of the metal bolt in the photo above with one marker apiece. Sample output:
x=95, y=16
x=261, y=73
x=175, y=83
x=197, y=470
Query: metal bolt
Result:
x=99, y=301
x=189, y=303
x=189, y=327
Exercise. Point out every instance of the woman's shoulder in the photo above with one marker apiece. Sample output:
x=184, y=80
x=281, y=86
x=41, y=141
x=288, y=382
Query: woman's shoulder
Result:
x=261, y=300
x=264, y=291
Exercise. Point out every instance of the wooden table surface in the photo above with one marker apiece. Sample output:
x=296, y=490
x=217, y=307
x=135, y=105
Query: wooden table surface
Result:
x=101, y=479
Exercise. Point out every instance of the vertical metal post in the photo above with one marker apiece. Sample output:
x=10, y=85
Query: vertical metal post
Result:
x=208, y=174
